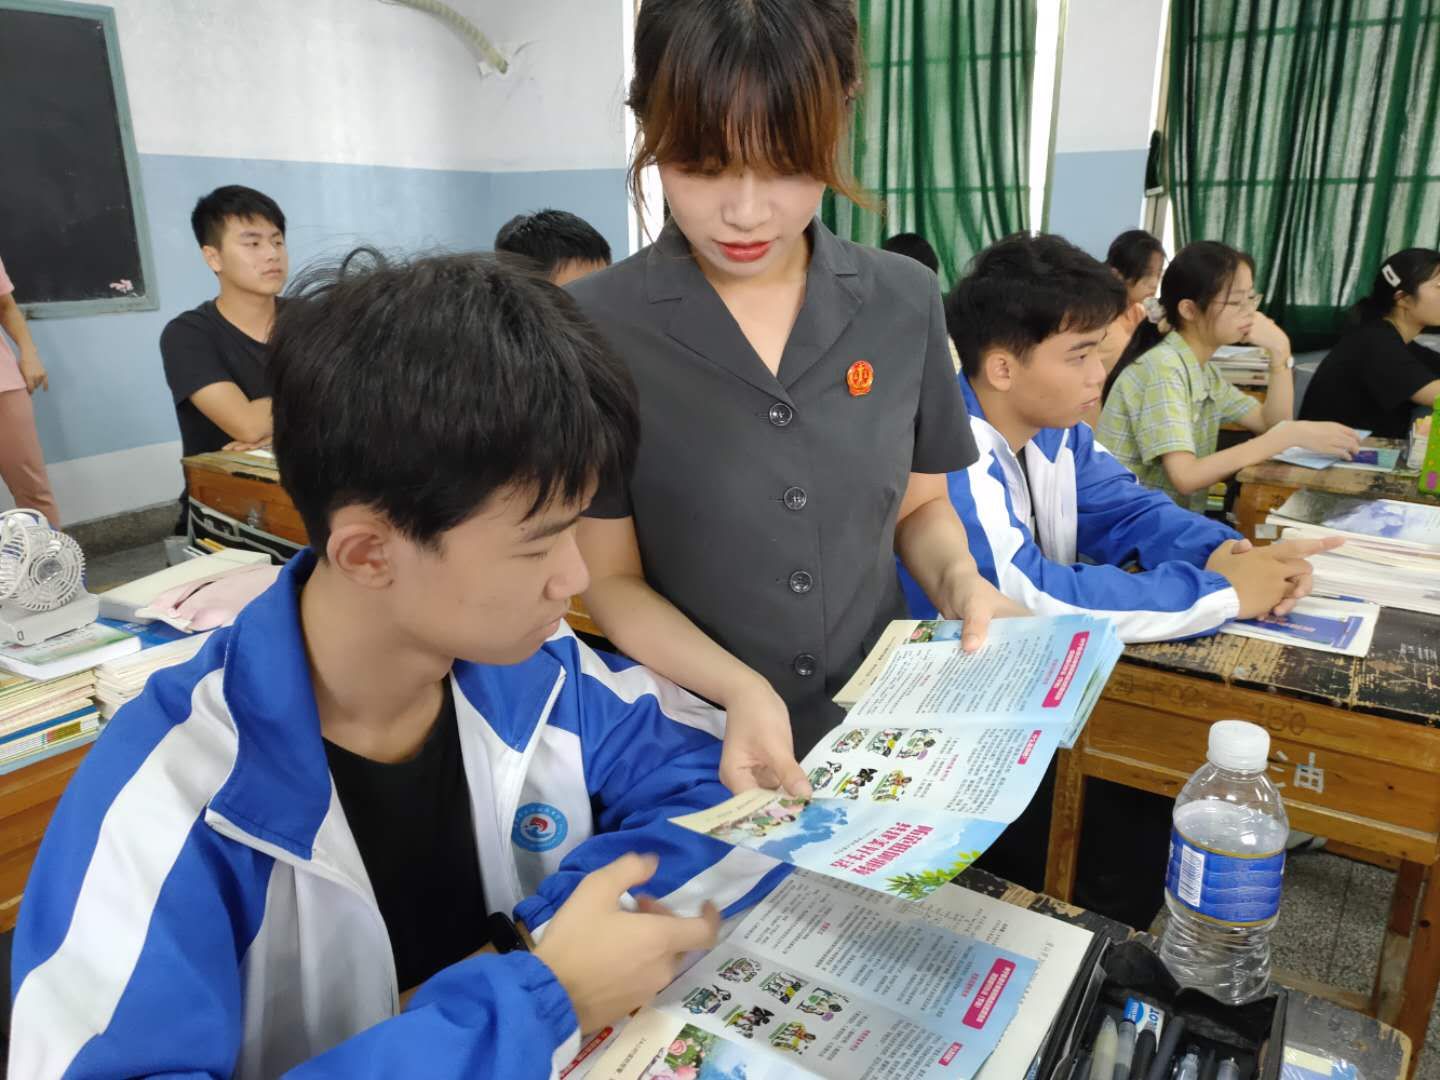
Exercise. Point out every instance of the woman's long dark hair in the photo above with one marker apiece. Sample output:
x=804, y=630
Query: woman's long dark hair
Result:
x=1408, y=270
x=1199, y=272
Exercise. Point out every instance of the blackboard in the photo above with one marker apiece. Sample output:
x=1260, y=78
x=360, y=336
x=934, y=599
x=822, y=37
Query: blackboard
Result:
x=72, y=218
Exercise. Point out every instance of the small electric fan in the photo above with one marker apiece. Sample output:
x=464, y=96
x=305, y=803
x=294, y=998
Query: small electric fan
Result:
x=42, y=574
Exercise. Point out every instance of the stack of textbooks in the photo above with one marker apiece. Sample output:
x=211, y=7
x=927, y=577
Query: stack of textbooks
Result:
x=1391, y=554
x=122, y=680
x=79, y=650
x=1242, y=365
x=40, y=719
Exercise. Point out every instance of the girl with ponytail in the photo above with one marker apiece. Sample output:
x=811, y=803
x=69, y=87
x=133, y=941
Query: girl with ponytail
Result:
x=1165, y=403
x=1376, y=377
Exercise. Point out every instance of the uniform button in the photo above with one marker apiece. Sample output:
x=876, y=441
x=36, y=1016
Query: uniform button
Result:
x=795, y=498
x=781, y=414
x=801, y=582
x=804, y=664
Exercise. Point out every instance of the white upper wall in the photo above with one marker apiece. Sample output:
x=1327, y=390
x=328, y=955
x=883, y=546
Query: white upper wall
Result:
x=1107, y=79
x=286, y=79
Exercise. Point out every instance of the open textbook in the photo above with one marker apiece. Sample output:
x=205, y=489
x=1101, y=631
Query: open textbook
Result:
x=827, y=980
x=941, y=752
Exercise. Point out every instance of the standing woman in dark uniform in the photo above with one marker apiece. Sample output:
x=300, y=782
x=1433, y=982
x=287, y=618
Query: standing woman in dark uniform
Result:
x=799, y=409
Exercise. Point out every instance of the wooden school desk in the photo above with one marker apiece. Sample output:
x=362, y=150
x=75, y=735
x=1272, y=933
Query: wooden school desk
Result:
x=1265, y=486
x=1355, y=747
x=248, y=489
x=1378, y=1050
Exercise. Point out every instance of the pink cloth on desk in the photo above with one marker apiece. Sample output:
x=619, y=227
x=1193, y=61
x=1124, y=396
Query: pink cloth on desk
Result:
x=212, y=601
x=10, y=377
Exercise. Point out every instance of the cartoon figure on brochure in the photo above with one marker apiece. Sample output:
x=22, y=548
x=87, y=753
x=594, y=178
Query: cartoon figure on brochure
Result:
x=891, y=786
x=821, y=775
x=745, y=1021
x=782, y=986
x=705, y=999
x=849, y=741
x=822, y=1004
x=919, y=743
x=792, y=1038
x=851, y=786
x=740, y=970
x=884, y=742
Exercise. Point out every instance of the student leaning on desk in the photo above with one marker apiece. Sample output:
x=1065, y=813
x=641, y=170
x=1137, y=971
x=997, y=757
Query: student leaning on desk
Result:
x=1165, y=402
x=317, y=813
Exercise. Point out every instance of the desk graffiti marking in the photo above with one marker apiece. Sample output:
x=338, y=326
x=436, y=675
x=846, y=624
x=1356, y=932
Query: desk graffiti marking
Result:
x=1307, y=776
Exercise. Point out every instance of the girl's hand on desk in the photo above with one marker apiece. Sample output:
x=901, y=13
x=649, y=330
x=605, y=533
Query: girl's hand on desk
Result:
x=759, y=748
x=967, y=596
x=1321, y=436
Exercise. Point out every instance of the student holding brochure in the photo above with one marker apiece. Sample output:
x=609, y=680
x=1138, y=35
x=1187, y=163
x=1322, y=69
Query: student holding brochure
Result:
x=942, y=750
x=279, y=838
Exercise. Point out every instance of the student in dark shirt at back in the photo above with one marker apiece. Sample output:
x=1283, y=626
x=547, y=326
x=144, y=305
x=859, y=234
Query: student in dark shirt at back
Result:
x=1376, y=376
x=559, y=244
x=214, y=354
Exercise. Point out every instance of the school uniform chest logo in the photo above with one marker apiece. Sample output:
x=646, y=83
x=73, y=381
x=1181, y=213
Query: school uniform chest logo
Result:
x=539, y=827
x=860, y=378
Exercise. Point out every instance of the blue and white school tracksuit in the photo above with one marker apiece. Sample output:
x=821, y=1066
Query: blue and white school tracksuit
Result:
x=1085, y=503
x=199, y=907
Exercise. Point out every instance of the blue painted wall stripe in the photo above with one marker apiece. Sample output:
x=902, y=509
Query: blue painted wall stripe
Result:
x=1096, y=195
x=108, y=391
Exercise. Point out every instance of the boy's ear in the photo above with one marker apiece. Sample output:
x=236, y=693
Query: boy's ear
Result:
x=359, y=547
x=212, y=257
x=998, y=366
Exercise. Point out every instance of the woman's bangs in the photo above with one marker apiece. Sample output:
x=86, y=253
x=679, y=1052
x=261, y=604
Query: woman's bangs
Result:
x=754, y=112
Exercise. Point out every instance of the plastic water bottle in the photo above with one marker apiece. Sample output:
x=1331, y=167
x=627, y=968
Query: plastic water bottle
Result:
x=1227, y=862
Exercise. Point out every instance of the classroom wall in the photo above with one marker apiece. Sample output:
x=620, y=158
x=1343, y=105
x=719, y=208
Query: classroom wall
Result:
x=367, y=122
x=1107, y=84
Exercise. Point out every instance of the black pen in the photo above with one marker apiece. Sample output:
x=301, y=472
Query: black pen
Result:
x=1168, y=1041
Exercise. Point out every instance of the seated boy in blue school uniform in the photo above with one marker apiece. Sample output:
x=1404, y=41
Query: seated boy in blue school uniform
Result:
x=1057, y=524
x=280, y=841
x=1054, y=521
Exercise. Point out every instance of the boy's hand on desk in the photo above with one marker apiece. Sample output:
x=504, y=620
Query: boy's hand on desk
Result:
x=759, y=748
x=1271, y=579
x=612, y=961
x=967, y=596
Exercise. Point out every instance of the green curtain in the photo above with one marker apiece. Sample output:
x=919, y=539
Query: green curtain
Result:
x=1304, y=132
x=942, y=132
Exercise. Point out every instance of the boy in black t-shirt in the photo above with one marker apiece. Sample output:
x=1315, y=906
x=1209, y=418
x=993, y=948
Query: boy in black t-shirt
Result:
x=214, y=354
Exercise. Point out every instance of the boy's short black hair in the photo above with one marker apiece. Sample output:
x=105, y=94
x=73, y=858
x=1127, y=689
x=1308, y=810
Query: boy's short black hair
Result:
x=232, y=200
x=1024, y=289
x=913, y=246
x=420, y=388
x=552, y=238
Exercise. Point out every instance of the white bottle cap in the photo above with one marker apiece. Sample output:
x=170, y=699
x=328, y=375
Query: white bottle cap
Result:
x=1239, y=746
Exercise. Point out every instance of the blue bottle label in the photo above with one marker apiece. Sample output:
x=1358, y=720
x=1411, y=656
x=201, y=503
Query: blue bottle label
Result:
x=1235, y=889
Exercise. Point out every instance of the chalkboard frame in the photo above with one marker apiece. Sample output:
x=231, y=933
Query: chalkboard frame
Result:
x=149, y=300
